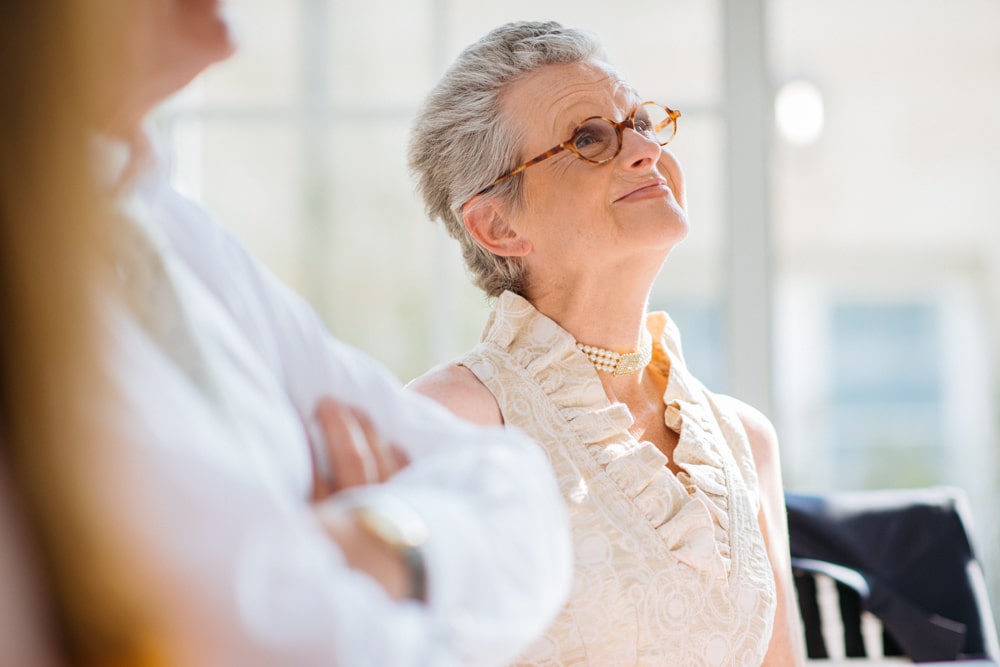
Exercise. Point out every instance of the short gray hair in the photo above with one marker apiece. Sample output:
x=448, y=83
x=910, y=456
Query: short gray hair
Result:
x=461, y=141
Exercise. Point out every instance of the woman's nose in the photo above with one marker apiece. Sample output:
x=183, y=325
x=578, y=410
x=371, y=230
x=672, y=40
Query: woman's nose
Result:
x=638, y=150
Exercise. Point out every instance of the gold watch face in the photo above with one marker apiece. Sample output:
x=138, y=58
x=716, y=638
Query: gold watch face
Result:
x=398, y=526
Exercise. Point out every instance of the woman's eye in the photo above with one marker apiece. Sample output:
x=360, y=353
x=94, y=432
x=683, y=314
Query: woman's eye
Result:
x=593, y=139
x=587, y=138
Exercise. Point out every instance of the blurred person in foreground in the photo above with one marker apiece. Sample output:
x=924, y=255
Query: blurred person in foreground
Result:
x=552, y=172
x=271, y=496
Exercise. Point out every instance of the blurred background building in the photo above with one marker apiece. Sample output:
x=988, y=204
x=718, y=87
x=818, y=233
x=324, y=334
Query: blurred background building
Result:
x=843, y=266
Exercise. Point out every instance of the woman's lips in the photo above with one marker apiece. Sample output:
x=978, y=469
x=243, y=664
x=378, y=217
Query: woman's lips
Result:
x=653, y=190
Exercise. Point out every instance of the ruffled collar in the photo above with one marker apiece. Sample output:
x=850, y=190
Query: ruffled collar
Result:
x=689, y=510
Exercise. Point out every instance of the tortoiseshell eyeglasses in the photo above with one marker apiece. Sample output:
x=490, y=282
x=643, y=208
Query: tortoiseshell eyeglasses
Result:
x=597, y=139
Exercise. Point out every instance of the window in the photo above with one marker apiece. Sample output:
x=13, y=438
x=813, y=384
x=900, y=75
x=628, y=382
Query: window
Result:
x=886, y=403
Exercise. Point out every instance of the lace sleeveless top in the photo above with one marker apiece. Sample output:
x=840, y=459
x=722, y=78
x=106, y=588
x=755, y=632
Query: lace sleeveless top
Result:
x=669, y=569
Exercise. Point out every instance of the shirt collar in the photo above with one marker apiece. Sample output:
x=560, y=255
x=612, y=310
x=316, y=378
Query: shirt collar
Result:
x=120, y=163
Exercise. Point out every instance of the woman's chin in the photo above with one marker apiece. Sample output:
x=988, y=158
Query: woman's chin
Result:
x=675, y=229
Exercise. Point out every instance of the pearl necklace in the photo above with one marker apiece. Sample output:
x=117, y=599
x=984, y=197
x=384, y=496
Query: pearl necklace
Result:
x=619, y=363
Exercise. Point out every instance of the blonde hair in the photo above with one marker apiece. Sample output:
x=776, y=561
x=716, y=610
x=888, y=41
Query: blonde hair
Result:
x=54, y=76
x=461, y=141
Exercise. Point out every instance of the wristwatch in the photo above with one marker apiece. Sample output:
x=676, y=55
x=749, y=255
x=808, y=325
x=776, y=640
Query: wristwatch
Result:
x=395, y=524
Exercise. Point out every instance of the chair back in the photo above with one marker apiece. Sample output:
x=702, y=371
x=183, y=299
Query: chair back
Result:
x=889, y=573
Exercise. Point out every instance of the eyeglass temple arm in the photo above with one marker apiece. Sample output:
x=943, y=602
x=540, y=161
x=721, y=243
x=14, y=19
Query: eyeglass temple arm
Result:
x=533, y=161
x=672, y=117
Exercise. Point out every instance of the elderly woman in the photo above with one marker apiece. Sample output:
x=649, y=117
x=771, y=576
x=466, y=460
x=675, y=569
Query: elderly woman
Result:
x=551, y=171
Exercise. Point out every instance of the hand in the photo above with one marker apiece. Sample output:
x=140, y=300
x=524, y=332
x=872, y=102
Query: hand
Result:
x=351, y=452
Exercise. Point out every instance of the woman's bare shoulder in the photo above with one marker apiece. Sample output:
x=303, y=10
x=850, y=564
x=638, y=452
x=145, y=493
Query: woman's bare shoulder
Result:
x=458, y=389
x=760, y=432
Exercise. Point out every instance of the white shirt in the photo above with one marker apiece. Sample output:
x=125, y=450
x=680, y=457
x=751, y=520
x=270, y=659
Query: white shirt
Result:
x=213, y=506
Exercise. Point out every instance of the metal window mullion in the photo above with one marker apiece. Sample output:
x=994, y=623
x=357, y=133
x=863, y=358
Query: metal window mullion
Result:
x=747, y=186
x=314, y=146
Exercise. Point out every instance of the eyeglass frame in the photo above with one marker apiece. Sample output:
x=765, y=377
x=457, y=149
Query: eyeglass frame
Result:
x=619, y=126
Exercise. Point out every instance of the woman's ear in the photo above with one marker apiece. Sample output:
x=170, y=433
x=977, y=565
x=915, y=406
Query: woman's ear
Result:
x=487, y=224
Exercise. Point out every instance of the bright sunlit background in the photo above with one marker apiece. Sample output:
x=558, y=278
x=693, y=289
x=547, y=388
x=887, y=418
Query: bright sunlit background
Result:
x=843, y=267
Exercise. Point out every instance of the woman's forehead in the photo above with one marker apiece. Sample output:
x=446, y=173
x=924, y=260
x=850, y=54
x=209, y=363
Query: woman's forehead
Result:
x=557, y=97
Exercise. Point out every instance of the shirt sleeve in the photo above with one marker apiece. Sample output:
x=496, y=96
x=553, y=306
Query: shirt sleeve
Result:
x=498, y=554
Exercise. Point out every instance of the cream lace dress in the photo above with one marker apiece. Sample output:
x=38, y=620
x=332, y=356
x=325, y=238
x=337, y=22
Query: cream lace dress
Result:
x=669, y=569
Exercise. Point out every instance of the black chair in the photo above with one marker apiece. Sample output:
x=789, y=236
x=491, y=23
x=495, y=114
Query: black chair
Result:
x=905, y=557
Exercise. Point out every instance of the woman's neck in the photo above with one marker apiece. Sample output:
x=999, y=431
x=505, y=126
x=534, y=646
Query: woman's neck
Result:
x=606, y=314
